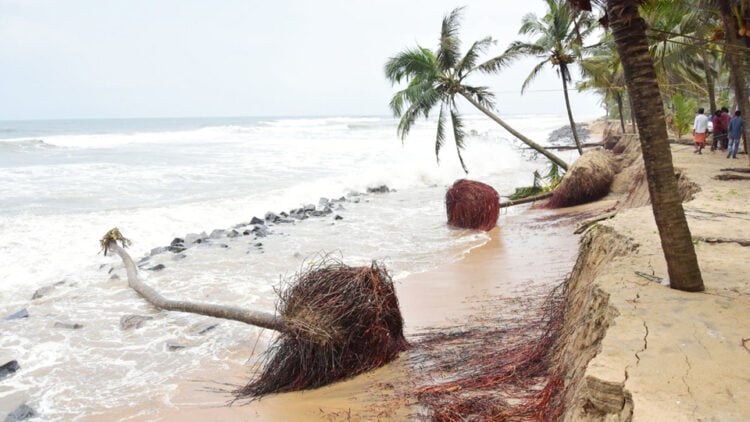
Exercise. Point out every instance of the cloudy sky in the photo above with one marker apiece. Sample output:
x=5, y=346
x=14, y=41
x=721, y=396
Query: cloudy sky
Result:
x=181, y=58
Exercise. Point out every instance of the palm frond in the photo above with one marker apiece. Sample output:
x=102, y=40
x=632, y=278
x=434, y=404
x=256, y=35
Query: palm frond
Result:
x=410, y=63
x=440, y=136
x=449, y=48
x=482, y=94
x=467, y=63
x=458, y=134
x=534, y=73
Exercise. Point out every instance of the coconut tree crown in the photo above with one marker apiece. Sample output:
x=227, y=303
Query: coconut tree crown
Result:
x=433, y=80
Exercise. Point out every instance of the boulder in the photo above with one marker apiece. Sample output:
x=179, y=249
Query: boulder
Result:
x=9, y=368
x=21, y=413
x=257, y=220
x=23, y=313
x=378, y=189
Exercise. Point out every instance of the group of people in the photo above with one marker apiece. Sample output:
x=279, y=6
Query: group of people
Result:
x=727, y=131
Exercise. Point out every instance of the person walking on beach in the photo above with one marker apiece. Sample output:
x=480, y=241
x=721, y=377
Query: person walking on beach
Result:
x=725, y=118
x=700, y=126
x=736, y=127
x=719, y=130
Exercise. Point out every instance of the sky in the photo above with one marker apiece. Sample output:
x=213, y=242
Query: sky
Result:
x=188, y=58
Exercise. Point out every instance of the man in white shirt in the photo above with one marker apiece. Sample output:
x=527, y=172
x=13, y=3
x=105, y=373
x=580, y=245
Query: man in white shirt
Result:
x=700, y=128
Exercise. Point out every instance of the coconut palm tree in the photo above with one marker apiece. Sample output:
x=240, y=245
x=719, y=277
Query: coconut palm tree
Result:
x=602, y=71
x=435, y=79
x=558, y=43
x=629, y=31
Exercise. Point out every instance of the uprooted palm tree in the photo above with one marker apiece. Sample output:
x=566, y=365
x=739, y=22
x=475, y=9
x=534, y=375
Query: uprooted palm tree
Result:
x=558, y=43
x=334, y=322
x=434, y=79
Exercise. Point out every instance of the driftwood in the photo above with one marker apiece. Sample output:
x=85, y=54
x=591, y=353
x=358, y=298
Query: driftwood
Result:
x=512, y=202
x=729, y=176
x=257, y=318
x=572, y=147
x=741, y=242
x=738, y=170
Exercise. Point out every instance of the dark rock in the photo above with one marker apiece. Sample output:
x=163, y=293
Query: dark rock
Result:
x=21, y=413
x=272, y=217
x=114, y=277
x=195, y=238
x=157, y=267
x=284, y=214
x=564, y=135
x=176, y=248
x=23, y=313
x=379, y=189
x=224, y=246
x=247, y=232
x=217, y=233
x=110, y=270
x=257, y=220
x=68, y=325
x=233, y=233
x=338, y=217
x=258, y=245
x=177, y=242
x=260, y=231
x=172, y=346
x=133, y=321
x=308, y=208
x=43, y=291
x=9, y=368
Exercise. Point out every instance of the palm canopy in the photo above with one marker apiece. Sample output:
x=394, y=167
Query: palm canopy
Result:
x=433, y=80
x=559, y=38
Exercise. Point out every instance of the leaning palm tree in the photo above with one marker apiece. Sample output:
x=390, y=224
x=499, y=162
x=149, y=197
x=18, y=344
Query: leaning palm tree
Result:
x=435, y=78
x=558, y=43
x=629, y=31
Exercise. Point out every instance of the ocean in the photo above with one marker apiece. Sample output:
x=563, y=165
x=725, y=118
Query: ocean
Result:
x=63, y=184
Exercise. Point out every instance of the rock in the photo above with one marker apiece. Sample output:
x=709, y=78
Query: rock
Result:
x=284, y=214
x=233, y=233
x=308, y=208
x=9, y=368
x=143, y=260
x=340, y=207
x=247, y=232
x=21, y=413
x=272, y=217
x=68, y=325
x=338, y=217
x=217, y=233
x=133, y=321
x=179, y=257
x=23, y=313
x=379, y=189
x=258, y=245
x=114, y=277
x=157, y=267
x=157, y=251
x=41, y=292
x=260, y=231
x=224, y=246
x=172, y=346
x=195, y=238
x=257, y=220
x=323, y=203
x=177, y=242
x=176, y=248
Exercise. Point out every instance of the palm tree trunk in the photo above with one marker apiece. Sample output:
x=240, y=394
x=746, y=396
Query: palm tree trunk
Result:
x=618, y=98
x=733, y=53
x=540, y=149
x=632, y=113
x=710, y=86
x=570, y=112
x=629, y=31
x=257, y=318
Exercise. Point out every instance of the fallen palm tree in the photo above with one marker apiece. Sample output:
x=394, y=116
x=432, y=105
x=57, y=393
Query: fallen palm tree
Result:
x=588, y=179
x=334, y=322
x=472, y=205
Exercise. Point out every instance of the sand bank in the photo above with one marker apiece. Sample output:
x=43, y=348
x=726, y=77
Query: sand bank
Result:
x=658, y=354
